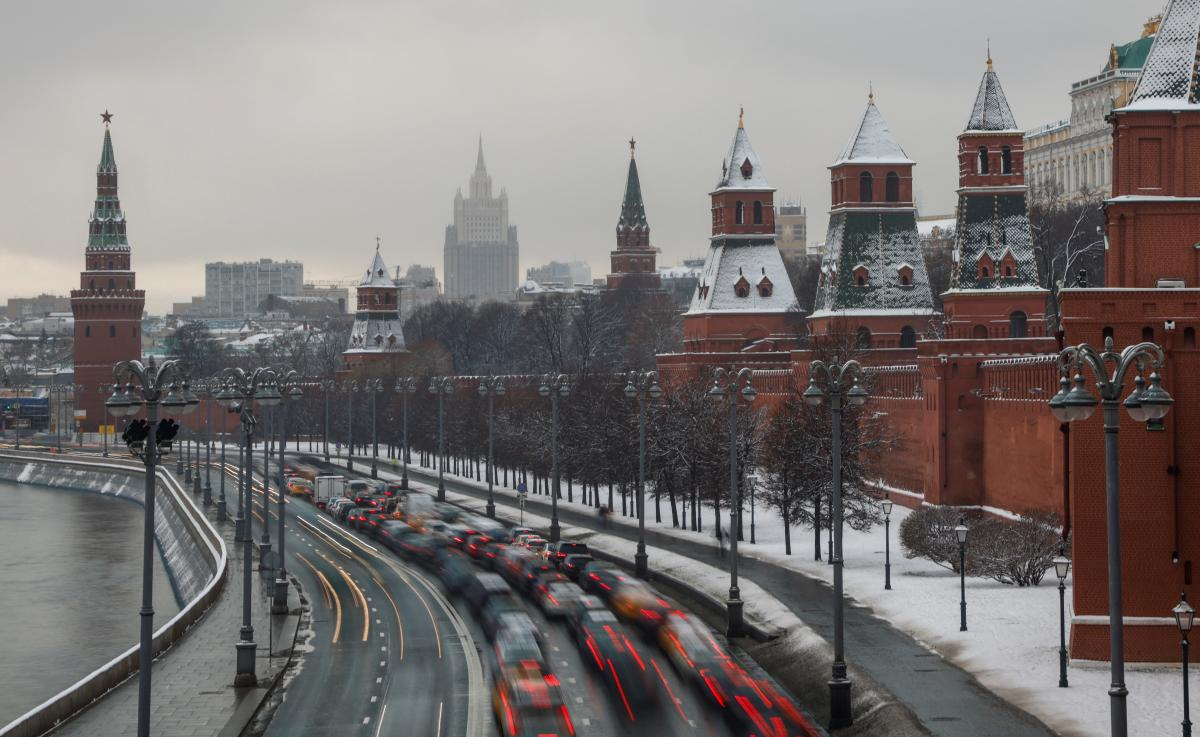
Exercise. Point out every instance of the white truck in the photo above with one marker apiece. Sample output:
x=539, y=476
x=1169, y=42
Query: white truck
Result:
x=326, y=488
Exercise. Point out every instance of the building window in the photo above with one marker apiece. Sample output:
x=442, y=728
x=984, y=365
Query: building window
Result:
x=892, y=187
x=1106, y=333
x=112, y=331
x=1006, y=160
x=135, y=331
x=1148, y=334
x=87, y=331
x=1018, y=325
x=758, y=218
x=865, y=193
x=908, y=337
x=983, y=160
x=979, y=332
x=1189, y=337
x=112, y=283
x=739, y=213
x=742, y=287
x=862, y=337
x=765, y=287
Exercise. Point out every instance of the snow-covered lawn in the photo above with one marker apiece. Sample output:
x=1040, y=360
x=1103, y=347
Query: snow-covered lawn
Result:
x=1011, y=644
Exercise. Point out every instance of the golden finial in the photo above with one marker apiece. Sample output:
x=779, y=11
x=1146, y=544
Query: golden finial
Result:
x=989, y=52
x=741, y=113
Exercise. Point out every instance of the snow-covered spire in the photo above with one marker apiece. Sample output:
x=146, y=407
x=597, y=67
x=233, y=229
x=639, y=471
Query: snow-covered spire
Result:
x=377, y=275
x=744, y=169
x=1171, y=75
x=991, y=111
x=872, y=141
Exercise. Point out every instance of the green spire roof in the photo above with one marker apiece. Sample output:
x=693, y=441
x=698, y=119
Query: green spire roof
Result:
x=106, y=227
x=108, y=162
x=633, y=211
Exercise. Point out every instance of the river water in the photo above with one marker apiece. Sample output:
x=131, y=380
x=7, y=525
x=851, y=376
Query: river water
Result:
x=70, y=589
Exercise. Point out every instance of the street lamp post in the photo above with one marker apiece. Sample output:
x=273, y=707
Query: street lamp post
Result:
x=1184, y=615
x=886, y=505
x=288, y=386
x=350, y=387
x=554, y=386
x=151, y=390
x=105, y=389
x=210, y=388
x=405, y=387
x=442, y=386
x=327, y=386
x=1062, y=566
x=372, y=387
x=752, y=480
x=960, y=533
x=218, y=396
x=491, y=387
x=188, y=443
x=242, y=390
x=1143, y=404
x=727, y=385
x=642, y=385
x=839, y=389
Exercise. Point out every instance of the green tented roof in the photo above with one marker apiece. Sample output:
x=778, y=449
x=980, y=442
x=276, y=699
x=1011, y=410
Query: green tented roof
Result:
x=1133, y=55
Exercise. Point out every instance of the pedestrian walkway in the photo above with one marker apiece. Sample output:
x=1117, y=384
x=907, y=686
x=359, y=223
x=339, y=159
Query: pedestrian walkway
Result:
x=949, y=701
x=192, y=686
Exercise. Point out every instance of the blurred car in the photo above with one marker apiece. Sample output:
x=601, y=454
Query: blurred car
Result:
x=689, y=645
x=537, y=545
x=393, y=488
x=475, y=545
x=482, y=587
x=454, y=569
x=750, y=705
x=557, y=598
x=337, y=508
x=517, y=650
x=353, y=515
x=497, y=611
x=510, y=563
x=300, y=486
x=580, y=606
x=515, y=532
x=557, y=552
x=447, y=512
x=639, y=604
x=518, y=620
x=602, y=580
x=531, y=706
x=532, y=569
x=419, y=548
x=390, y=533
x=374, y=519
x=524, y=538
x=490, y=553
x=631, y=681
x=573, y=565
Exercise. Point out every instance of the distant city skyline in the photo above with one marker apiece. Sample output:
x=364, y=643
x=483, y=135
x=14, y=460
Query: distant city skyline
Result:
x=304, y=135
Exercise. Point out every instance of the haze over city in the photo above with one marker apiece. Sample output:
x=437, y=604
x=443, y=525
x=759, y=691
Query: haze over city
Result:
x=304, y=130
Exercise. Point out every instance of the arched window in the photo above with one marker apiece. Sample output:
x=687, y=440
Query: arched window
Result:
x=1106, y=333
x=860, y=280
x=110, y=264
x=1189, y=337
x=112, y=283
x=739, y=213
x=862, y=337
x=892, y=187
x=1006, y=160
x=758, y=219
x=1148, y=334
x=865, y=187
x=112, y=331
x=979, y=331
x=908, y=337
x=905, y=280
x=983, y=160
x=1018, y=325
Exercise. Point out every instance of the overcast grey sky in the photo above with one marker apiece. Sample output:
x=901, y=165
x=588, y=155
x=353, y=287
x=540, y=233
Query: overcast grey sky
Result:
x=303, y=130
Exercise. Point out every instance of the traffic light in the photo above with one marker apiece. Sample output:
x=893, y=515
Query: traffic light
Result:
x=165, y=434
x=135, y=436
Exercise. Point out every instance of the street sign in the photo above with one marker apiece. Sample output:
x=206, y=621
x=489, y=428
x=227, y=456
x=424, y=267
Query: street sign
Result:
x=21, y=423
x=81, y=414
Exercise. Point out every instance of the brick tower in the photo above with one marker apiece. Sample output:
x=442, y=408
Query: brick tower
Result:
x=873, y=282
x=1152, y=275
x=377, y=337
x=744, y=299
x=107, y=306
x=994, y=292
x=633, y=264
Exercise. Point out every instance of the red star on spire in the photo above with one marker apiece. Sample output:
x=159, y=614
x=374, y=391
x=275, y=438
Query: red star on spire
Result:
x=106, y=117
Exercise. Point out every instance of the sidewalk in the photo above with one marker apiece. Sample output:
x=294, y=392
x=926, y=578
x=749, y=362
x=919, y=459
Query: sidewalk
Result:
x=193, y=693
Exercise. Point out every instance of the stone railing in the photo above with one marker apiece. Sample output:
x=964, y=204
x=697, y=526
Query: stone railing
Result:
x=193, y=549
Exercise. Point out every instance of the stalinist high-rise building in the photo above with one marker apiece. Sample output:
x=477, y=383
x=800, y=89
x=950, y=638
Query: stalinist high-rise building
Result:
x=481, y=247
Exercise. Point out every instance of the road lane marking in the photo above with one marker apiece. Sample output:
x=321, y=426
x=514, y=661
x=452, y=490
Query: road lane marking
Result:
x=379, y=723
x=674, y=699
x=337, y=545
x=379, y=679
x=383, y=664
x=374, y=699
x=396, y=609
x=437, y=732
x=337, y=600
x=359, y=597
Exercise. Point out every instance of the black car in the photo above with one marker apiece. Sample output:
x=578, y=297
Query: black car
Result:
x=558, y=552
x=573, y=565
x=628, y=674
x=484, y=586
x=496, y=610
x=391, y=532
x=420, y=548
x=454, y=569
x=603, y=579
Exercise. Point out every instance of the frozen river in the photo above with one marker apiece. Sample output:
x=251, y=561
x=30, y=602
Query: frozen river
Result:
x=70, y=589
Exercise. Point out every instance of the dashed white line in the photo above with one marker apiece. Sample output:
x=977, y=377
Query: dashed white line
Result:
x=555, y=648
x=374, y=699
x=383, y=664
x=384, y=648
x=438, y=732
x=571, y=679
x=366, y=720
x=379, y=679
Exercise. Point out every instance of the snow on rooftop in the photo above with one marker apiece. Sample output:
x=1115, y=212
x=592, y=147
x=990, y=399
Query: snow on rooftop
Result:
x=742, y=168
x=1170, y=78
x=732, y=259
x=872, y=142
x=991, y=111
x=377, y=275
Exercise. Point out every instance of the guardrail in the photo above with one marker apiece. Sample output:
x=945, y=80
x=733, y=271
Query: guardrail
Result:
x=82, y=693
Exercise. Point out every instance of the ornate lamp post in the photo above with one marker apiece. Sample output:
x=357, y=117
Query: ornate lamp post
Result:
x=289, y=388
x=269, y=397
x=554, y=386
x=405, y=387
x=642, y=385
x=1184, y=614
x=491, y=387
x=442, y=386
x=224, y=397
x=1062, y=566
x=752, y=480
x=727, y=385
x=840, y=389
x=1143, y=404
x=960, y=533
x=147, y=385
x=373, y=387
x=208, y=388
x=350, y=387
x=886, y=505
x=327, y=386
x=242, y=390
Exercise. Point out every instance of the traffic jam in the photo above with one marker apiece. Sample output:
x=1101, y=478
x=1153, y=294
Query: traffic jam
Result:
x=614, y=619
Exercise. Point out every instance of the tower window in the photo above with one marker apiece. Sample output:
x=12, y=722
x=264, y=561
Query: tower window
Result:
x=1006, y=160
x=983, y=160
x=1018, y=325
x=87, y=331
x=742, y=287
x=892, y=187
x=1189, y=337
x=908, y=337
x=739, y=213
x=112, y=331
x=862, y=337
x=758, y=212
x=1148, y=334
x=979, y=332
x=865, y=187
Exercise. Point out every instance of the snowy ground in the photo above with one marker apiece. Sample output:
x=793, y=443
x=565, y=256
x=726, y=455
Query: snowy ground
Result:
x=1012, y=642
